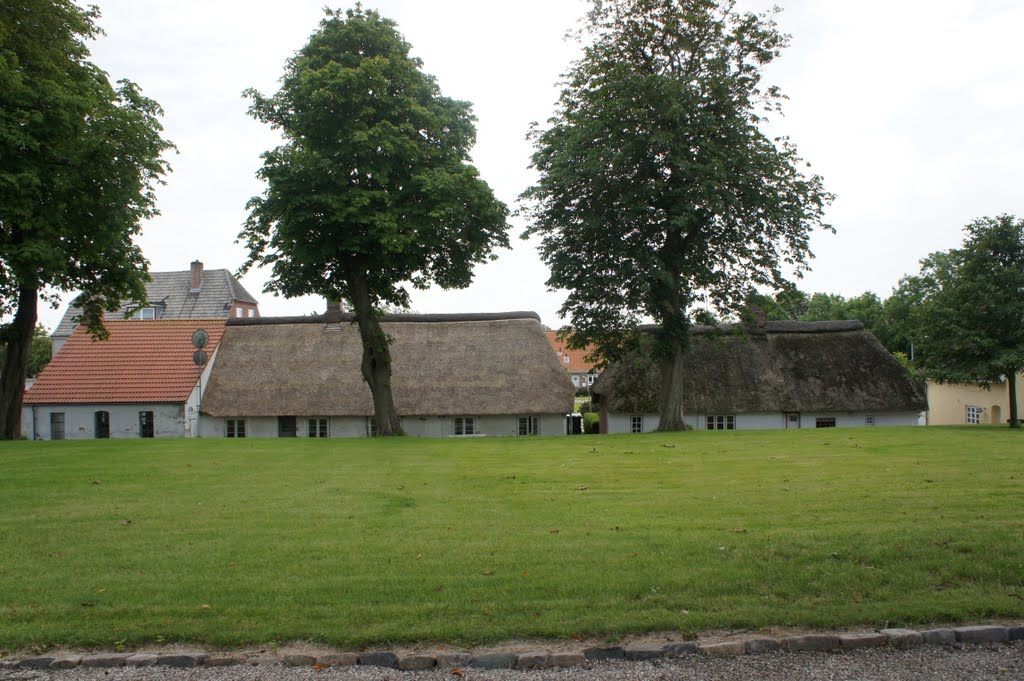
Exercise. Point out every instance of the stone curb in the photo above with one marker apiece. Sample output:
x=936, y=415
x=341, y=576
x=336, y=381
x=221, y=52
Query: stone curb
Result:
x=541, y=659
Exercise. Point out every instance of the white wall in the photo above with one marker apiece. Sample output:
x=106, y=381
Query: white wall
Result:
x=80, y=420
x=355, y=426
x=620, y=423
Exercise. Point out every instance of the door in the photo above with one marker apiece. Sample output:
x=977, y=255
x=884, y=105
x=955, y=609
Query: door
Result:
x=287, y=426
x=102, y=425
x=145, y=424
x=792, y=420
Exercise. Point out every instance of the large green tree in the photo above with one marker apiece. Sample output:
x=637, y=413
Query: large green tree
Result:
x=78, y=161
x=655, y=162
x=373, y=189
x=965, y=309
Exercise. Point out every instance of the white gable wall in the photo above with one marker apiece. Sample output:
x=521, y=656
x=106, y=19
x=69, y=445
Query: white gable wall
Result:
x=80, y=420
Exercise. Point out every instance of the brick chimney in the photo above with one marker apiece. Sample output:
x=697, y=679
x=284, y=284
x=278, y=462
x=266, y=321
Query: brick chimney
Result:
x=195, y=277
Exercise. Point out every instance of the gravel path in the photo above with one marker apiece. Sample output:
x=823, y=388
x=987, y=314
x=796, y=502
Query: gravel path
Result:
x=972, y=662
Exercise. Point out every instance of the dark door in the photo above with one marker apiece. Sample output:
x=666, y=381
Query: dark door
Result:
x=145, y=424
x=287, y=426
x=102, y=424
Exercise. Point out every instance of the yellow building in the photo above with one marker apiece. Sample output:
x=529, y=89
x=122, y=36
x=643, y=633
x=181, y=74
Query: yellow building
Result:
x=959, y=403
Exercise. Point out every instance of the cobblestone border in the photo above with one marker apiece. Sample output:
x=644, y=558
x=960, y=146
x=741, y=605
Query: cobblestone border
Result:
x=540, y=659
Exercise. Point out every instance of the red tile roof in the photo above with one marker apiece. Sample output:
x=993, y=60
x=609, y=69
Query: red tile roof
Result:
x=577, y=363
x=142, y=361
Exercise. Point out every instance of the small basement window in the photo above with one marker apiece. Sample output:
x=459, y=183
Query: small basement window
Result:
x=825, y=422
x=869, y=420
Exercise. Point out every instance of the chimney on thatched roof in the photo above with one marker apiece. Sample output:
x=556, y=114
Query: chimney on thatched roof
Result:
x=335, y=313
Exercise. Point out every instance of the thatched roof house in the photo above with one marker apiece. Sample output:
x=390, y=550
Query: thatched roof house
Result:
x=485, y=370
x=782, y=374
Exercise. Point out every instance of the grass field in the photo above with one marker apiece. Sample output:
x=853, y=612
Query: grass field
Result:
x=471, y=541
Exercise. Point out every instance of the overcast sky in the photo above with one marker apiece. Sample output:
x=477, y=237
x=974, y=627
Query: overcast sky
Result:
x=910, y=109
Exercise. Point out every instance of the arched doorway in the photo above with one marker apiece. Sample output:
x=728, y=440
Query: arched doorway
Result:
x=997, y=414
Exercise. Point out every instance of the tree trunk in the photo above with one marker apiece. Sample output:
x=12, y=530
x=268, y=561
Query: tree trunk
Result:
x=376, y=365
x=19, y=347
x=1012, y=378
x=671, y=403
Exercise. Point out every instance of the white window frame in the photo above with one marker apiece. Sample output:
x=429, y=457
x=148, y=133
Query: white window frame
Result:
x=565, y=358
x=528, y=425
x=318, y=426
x=869, y=420
x=720, y=422
x=636, y=423
x=465, y=425
x=252, y=312
x=234, y=428
x=145, y=313
x=975, y=415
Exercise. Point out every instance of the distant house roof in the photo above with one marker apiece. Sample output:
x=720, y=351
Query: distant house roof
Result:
x=139, y=362
x=781, y=367
x=441, y=365
x=171, y=293
x=577, y=358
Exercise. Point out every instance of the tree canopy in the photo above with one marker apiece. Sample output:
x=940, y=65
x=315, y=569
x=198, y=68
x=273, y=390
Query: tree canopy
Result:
x=78, y=162
x=656, y=168
x=373, y=189
x=965, y=309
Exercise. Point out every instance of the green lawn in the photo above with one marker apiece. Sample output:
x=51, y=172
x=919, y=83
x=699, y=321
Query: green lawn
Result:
x=469, y=541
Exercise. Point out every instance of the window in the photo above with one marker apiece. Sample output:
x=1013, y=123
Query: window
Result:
x=590, y=379
x=528, y=425
x=869, y=420
x=974, y=414
x=287, y=426
x=636, y=424
x=252, y=312
x=146, y=424
x=57, y=425
x=239, y=312
x=317, y=428
x=371, y=426
x=236, y=428
x=576, y=381
x=145, y=313
x=465, y=425
x=717, y=422
x=565, y=358
x=102, y=425
x=827, y=422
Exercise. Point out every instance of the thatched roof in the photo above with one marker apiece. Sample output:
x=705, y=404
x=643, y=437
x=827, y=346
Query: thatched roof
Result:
x=781, y=367
x=441, y=365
